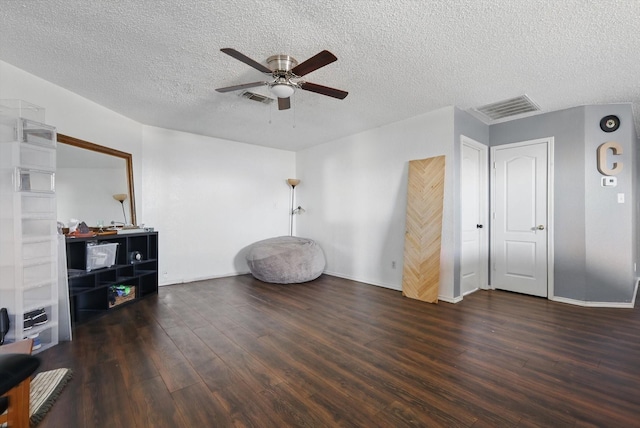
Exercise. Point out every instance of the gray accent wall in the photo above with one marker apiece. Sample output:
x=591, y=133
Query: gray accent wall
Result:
x=609, y=224
x=636, y=205
x=594, y=235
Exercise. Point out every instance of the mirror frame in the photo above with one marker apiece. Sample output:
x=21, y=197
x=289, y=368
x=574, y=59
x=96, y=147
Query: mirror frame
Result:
x=82, y=144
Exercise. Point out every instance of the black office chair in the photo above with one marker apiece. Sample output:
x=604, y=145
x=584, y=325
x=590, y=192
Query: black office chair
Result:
x=15, y=381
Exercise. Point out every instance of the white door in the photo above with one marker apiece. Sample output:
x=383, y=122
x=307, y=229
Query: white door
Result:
x=520, y=223
x=474, y=189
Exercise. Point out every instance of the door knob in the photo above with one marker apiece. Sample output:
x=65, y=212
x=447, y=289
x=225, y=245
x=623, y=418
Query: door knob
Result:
x=540, y=227
x=478, y=226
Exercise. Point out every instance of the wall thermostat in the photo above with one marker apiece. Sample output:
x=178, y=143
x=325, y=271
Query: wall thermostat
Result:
x=609, y=181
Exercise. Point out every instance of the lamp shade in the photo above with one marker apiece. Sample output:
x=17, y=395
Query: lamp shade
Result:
x=282, y=90
x=120, y=197
x=293, y=182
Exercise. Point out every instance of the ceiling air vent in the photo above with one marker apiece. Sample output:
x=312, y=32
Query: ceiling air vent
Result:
x=507, y=108
x=256, y=97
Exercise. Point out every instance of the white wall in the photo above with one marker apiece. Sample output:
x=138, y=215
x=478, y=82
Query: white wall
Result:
x=210, y=198
x=74, y=115
x=354, y=193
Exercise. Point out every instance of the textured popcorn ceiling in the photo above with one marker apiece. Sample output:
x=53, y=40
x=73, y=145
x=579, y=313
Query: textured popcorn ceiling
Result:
x=159, y=61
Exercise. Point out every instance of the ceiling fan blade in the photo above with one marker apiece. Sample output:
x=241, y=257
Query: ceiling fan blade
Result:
x=323, y=90
x=241, y=57
x=314, y=63
x=284, y=103
x=243, y=86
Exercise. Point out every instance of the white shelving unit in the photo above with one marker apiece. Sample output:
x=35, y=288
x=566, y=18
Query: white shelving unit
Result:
x=28, y=226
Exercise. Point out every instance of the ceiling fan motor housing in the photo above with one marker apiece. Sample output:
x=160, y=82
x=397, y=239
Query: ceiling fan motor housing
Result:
x=281, y=63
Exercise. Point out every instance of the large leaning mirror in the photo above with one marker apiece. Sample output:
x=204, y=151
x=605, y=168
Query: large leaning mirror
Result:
x=87, y=178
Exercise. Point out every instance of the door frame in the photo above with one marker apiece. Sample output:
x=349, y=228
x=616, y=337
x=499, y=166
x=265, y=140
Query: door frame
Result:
x=549, y=141
x=483, y=170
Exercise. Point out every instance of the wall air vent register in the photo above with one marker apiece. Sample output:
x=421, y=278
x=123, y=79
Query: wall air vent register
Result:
x=256, y=97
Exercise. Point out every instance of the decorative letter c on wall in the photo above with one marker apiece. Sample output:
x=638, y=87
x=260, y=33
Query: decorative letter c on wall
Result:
x=603, y=166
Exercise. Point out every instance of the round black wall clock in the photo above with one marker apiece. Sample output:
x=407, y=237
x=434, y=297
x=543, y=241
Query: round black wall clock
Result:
x=609, y=123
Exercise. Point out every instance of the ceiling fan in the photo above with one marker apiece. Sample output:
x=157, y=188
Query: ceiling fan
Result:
x=286, y=74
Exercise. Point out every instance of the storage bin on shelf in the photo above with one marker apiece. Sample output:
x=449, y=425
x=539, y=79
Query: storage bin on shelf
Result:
x=102, y=255
x=119, y=294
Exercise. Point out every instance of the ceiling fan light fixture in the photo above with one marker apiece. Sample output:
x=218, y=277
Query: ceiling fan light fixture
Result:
x=282, y=90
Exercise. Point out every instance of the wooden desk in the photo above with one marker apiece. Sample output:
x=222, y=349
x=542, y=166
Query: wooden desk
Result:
x=18, y=412
x=21, y=347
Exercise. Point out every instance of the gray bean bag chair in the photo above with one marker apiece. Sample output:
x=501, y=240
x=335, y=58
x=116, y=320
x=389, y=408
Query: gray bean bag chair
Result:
x=285, y=260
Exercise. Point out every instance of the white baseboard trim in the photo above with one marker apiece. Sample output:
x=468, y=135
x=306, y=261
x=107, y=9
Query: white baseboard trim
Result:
x=377, y=284
x=203, y=278
x=592, y=304
x=450, y=299
x=447, y=299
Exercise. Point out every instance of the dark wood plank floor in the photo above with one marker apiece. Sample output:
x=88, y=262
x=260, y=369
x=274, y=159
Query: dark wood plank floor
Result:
x=239, y=352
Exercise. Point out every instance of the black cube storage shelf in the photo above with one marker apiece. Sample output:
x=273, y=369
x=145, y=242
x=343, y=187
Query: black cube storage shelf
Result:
x=89, y=291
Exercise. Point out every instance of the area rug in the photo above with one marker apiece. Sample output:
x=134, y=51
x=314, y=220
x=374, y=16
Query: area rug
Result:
x=45, y=389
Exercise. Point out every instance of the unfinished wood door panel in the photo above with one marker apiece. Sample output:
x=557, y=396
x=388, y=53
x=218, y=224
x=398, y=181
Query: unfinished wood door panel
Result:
x=425, y=194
